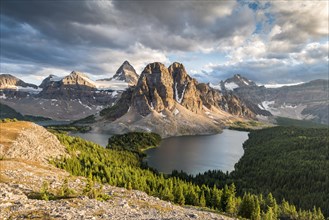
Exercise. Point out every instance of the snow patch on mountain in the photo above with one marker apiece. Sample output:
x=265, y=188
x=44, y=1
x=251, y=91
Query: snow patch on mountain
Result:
x=266, y=105
x=245, y=82
x=215, y=86
x=281, y=85
x=179, y=99
x=231, y=86
x=3, y=96
x=24, y=89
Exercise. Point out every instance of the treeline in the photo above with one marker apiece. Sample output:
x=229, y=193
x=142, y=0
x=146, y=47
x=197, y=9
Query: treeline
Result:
x=125, y=169
x=292, y=163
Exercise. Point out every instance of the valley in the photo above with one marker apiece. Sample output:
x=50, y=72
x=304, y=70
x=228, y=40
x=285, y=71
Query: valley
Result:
x=202, y=159
x=124, y=167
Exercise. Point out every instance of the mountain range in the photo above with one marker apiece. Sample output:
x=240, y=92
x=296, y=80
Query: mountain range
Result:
x=305, y=101
x=162, y=99
x=63, y=98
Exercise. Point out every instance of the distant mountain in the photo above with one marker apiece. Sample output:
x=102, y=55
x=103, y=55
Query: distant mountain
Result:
x=8, y=81
x=237, y=81
x=76, y=85
x=170, y=102
x=125, y=73
x=70, y=97
x=77, y=79
x=230, y=85
x=305, y=101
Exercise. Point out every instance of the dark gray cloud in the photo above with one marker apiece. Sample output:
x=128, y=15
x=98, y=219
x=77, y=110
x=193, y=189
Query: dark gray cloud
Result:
x=97, y=36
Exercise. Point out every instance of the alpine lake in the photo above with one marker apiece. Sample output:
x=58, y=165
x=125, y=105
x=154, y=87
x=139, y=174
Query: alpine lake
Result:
x=191, y=154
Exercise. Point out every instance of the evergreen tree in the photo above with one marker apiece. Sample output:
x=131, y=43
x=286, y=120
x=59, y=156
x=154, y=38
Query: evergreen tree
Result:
x=202, y=200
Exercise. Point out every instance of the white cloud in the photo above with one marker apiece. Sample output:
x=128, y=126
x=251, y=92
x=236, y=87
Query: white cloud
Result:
x=298, y=21
x=138, y=55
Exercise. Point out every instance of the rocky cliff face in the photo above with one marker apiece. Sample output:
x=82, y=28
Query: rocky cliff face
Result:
x=226, y=102
x=160, y=88
x=154, y=90
x=29, y=141
x=185, y=88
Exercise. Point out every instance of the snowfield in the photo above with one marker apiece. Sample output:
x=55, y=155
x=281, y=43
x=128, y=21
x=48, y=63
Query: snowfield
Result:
x=231, y=86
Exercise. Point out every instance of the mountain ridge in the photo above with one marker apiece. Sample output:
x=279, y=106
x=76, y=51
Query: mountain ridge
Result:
x=170, y=102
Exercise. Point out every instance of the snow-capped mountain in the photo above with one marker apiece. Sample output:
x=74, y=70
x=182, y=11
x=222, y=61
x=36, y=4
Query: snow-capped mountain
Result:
x=62, y=98
x=126, y=73
x=233, y=83
x=297, y=101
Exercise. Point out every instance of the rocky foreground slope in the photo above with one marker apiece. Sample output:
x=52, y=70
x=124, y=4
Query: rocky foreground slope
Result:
x=21, y=177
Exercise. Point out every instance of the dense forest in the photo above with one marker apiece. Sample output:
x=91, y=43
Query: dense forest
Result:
x=292, y=163
x=134, y=141
x=124, y=168
x=289, y=162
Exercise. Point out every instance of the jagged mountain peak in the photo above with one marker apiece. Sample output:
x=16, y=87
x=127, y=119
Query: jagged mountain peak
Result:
x=126, y=62
x=126, y=73
x=178, y=71
x=153, y=90
x=240, y=81
x=155, y=67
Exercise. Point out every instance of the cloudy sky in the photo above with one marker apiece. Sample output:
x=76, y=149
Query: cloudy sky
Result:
x=269, y=42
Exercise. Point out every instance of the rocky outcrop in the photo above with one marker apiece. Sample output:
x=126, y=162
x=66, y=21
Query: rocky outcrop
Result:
x=185, y=88
x=29, y=141
x=226, y=102
x=124, y=204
